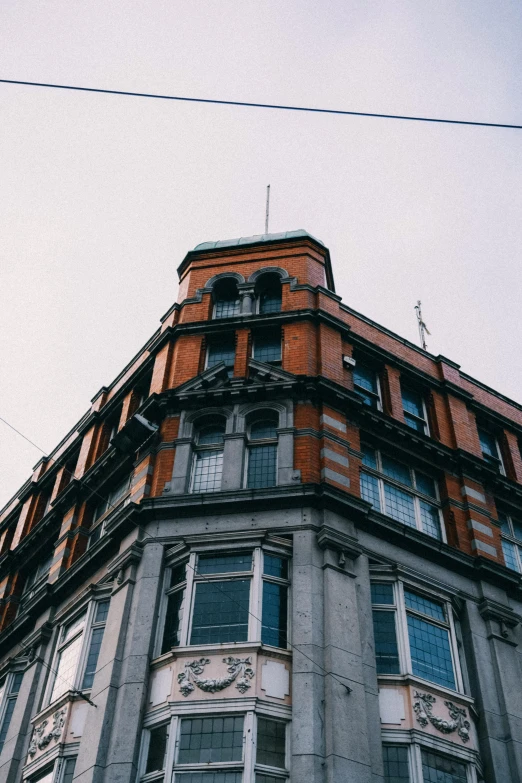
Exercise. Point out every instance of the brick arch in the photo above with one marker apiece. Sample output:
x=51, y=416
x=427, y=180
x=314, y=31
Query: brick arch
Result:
x=209, y=285
x=268, y=270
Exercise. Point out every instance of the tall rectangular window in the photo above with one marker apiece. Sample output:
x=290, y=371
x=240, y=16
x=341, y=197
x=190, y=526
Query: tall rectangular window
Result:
x=385, y=633
x=222, y=351
x=414, y=409
x=366, y=383
x=511, y=529
x=275, y=601
x=396, y=764
x=9, y=690
x=490, y=449
x=210, y=740
x=267, y=348
x=430, y=647
x=401, y=492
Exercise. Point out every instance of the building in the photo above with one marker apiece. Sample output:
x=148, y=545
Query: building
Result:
x=283, y=545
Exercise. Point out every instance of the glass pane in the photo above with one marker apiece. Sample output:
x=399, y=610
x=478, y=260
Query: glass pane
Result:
x=178, y=574
x=369, y=457
x=102, y=610
x=517, y=529
x=72, y=628
x=267, y=348
x=412, y=403
x=221, y=612
x=208, y=469
x=396, y=470
x=382, y=593
x=510, y=555
x=487, y=443
x=11, y=703
x=227, y=304
x=68, y=774
x=399, y=505
x=396, y=765
x=262, y=461
x=95, y=534
x=370, y=490
x=221, y=352
x=275, y=613
x=425, y=484
x=386, y=649
x=504, y=523
x=271, y=743
x=210, y=740
x=92, y=657
x=262, y=778
x=275, y=566
x=66, y=668
x=119, y=491
x=224, y=564
x=420, y=604
x=415, y=424
x=157, y=748
x=209, y=777
x=441, y=769
x=43, y=777
x=430, y=652
x=365, y=378
x=430, y=518
x=263, y=428
x=16, y=683
x=173, y=618
x=270, y=298
x=211, y=433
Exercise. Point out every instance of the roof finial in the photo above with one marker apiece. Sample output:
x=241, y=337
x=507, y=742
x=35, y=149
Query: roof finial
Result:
x=267, y=208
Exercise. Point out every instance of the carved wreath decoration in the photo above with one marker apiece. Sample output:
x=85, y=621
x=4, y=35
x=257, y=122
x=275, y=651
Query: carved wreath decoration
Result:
x=239, y=671
x=40, y=739
x=423, y=706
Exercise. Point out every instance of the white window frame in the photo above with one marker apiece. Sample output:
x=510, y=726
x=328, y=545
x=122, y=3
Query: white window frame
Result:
x=248, y=766
x=401, y=611
x=412, y=490
x=424, y=418
x=378, y=396
x=255, y=608
x=461, y=755
x=86, y=632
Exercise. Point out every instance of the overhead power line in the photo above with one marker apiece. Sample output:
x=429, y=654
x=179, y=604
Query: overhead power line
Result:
x=252, y=105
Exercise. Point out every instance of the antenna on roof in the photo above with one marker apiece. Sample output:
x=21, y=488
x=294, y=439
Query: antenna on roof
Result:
x=423, y=329
x=267, y=208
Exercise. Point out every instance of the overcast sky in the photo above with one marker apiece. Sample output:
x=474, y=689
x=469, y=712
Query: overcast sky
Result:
x=102, y=196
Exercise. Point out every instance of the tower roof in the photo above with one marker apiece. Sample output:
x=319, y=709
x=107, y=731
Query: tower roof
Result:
x=255, y=240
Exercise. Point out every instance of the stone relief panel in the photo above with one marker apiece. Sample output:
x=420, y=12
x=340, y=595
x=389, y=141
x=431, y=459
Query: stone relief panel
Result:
x=48, y=731
x=238, y=671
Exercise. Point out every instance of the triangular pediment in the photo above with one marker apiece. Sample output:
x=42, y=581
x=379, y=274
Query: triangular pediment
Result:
x=267, y=373
x=212, y=378
x=217, y=378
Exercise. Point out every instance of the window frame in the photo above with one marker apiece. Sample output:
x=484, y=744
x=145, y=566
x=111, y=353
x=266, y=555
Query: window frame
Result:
x=401, y=612
x=264, y=283
x=511, y=538
x=410, y=489
x=86, y=632
x=252, y=443
x=201, y=448
x=99, y=521
x=229, y=367
x=255, y=609
x=363, y=391
x=7, y=696
x=405, y=387
x=461, y=755
x=217, y=296
x=268, y=335
x=498, y=461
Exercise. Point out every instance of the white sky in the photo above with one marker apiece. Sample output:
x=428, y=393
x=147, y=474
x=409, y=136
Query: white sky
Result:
x=102, y=196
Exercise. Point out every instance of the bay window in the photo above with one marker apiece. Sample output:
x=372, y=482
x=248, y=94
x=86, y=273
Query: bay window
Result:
x=401, y=492
x=414, y=634
x=77, y=652
x=223, y=598
x=405, y=763
x=224, y=748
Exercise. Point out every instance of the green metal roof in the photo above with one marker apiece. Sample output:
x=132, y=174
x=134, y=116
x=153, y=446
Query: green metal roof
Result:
x=256, y=239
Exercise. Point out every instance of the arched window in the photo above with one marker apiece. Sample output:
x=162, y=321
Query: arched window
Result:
x=268, y=291
x=262, y=449
x=226, y=298
x=207, y=466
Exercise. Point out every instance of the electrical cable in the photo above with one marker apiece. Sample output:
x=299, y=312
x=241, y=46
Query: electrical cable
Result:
x=254, y=105
x=201, y=577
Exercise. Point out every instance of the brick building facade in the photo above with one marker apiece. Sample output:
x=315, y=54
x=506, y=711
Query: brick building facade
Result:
x=284, y=544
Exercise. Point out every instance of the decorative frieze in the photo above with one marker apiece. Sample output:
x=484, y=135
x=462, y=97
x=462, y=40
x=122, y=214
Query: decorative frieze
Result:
x=423, y=708
x=239, y=671
x=41, y=738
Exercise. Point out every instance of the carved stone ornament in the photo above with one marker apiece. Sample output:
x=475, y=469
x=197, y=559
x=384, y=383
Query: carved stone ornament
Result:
x=41, y=738
x=423, y=706
x=239, y=671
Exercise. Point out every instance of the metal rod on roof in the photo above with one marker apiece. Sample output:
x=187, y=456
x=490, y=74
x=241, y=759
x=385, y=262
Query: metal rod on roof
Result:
x=267, y=208
x=423, y=329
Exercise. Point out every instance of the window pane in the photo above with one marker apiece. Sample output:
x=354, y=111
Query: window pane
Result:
x=509, y=555
x=43, y=777
x=396, y=765
x=262, y=778
x=178, y=574
x=275, y=566
x=102, y=610
x=262, y=462
x=227, y=305
x=224, y=564
x=369, y=457
x=72, y=628
x=382, y=593
x=370, y=490
x=386, y=649
x=517, y=529
x=399, y=505
x=68, y=774
x=66, y=668
x=16, y=683
x=504, y=523
x=211, y=433
x=267, y=348
x=271, y=743
x=11, y=703
x=365, y=378
x=440, y=769
x=263, y=428
x=420, y=604
x=221, y=352
x=396, y=470
x=412, y=403
x=415, y=424
x=173, y=618
x=270, y=299
x=204, y=740
x=92, y=657
x=430, y=519
x=274, y=619
x=425, y=484
x=157, y=748
x=208, y=469
x=221, y=612
x=430, y=652
x=487, y=443
x=209, y=777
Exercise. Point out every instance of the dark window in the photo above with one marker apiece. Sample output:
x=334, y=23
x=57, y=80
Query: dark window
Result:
x=414, y=410
x=271, y=743
x=100, y=617
x=68, y=772
x=212, y=777
x=269, y=294
x=222, y=351
x=226, y=299
x=512, y=547
x=224, y=564
x=262, y=454
x=267, y=348
x=366, y=384
x=396, y=764
x=210, y=740
x=490, y=448
x=275, y=612
x=175, y=603
x=386, y=649
x=430, y=647
x=11, y=696
x=207, y=467
x=441, y=769
x=221, y=612
x=157, y=748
